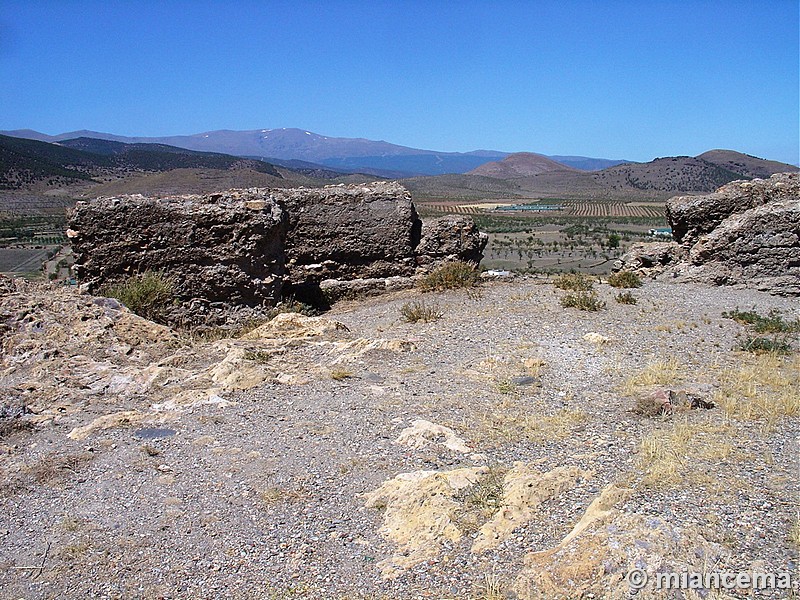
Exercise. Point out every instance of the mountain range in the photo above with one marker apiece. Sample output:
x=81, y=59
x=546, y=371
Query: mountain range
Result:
x=108, y=167
x=345, y=154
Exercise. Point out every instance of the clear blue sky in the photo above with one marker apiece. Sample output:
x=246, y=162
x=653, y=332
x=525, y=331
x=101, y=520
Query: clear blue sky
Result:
x=617, y=79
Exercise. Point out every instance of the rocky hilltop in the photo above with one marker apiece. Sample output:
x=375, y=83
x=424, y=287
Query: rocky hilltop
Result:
x=745, y=234
x=528, y=438
x=235, y=253
x=509, y=449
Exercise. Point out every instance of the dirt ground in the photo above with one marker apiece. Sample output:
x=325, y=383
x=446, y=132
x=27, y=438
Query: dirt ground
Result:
x=509, y=449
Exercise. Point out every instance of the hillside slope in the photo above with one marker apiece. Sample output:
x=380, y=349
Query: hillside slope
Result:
x=672, y=174
x=749, y=166
x=354, y=154
x=24, y=162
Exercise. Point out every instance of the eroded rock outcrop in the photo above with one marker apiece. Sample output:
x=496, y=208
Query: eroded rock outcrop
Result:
x=746, y=234
x=595, y=558
x=693, y=216
x=69, y=358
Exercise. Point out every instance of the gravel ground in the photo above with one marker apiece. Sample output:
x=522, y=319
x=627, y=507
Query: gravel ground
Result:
x=265, y=498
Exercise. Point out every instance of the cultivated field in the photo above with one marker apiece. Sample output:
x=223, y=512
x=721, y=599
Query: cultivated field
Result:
x=576, y=235
x=570, y=208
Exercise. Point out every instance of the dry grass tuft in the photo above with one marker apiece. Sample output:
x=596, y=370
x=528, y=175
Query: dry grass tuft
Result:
x=259, y=356
x=625, y=279
x=582, y=301
x=419, y=312
x=659, y=372
x=450, y=276
x=148, y=294
x=765, y=387
x=481, y=500
x=510, y=419
x=625, y=298
x=492, y=588
x=275, y=495
x=575, y=282
x=56, y=467
x=341, y=374
x=794, y=531
x=674, y=457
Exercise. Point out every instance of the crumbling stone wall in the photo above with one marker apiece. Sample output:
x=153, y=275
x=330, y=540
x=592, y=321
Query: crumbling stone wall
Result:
x=223, y=251
x=248, y=248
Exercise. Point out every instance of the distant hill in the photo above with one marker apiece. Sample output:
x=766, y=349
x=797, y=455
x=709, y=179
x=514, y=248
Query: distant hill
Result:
x=521, y=164
x=657, y=180
x=672, y=174
x=25, y=162
x=162, y=157
x=351, y=154
x=750, y=166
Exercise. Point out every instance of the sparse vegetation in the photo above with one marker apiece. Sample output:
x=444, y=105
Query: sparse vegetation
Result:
x=450, y=276
x=148, y=294
x=149, y=450
x=419, y=312
x=658, y=372
x=341, y=374
x=776, y=335
x=56, y=467
x=625, y=298
x=291, y=305
x=506, y=386
x=625, y=279
x=665, y=453
x=259, y=356
x=773, y=322
x=492, y=588
x=481, y=500
x=764, y=388
x=583, y=301
x=576, y=282
x=794, y=531
x=763, y=345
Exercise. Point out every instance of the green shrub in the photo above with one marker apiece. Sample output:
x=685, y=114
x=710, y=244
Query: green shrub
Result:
x=761, y=345
x=771, y=323
x=625, y=279
x=259, y=356
x=776, y=336
x=575, y=282
x=450, y=276
x=148, y=294
x=625, y=298
x=582, y=301
x=418, y=311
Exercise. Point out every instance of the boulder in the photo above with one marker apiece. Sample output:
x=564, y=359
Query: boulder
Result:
x=450, y=238
x=650, y=259
x=692, y=216
x=222, y=251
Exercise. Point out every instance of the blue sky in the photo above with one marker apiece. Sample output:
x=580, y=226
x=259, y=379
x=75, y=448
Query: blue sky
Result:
x=617, y=79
